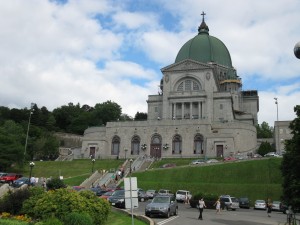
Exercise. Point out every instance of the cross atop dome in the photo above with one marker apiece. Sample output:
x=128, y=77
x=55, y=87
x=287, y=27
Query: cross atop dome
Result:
x=203, y=28
x=203, y=14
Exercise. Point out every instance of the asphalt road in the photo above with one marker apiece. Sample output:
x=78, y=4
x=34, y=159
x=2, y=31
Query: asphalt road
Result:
x=188, y=215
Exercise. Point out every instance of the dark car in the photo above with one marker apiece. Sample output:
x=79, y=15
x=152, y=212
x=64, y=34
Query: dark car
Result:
x=98, y=191
x=244, y=202
x=21, y=181
x=117, y=199
x=142, y=196
x=162, y=205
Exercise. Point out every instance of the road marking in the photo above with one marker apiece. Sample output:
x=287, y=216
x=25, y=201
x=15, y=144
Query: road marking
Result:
x=168, y=220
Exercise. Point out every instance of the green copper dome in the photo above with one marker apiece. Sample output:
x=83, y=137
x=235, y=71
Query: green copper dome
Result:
x=205, y=48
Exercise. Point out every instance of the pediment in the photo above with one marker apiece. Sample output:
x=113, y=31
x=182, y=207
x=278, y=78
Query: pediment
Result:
x=186, y=65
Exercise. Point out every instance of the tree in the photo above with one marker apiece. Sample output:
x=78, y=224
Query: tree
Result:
x=290, y=166
x=140, y=116
x=106, y=112
x=12, y=138
x=264, y=148
x=264, y=130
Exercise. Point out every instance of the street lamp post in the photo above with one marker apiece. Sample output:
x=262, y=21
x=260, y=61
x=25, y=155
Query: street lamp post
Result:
x=31, y=107
x=277, y=138
x=31, y=165
x=93, y=162
x=132, y=220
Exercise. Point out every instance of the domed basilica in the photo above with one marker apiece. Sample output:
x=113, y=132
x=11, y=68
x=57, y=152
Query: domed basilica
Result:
x=201, y=111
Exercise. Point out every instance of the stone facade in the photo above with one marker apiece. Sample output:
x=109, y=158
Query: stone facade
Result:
x=204, y=122
x=201, y=111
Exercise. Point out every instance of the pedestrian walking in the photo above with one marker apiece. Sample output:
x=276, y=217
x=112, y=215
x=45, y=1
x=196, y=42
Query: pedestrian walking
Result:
x=201, y=207
x=269, y=207
x=218, y=206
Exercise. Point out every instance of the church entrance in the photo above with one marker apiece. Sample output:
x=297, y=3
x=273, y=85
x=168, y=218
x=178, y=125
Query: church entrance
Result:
x=155, y=147
x=155, y=151
x=92, y=152
x=220, y=152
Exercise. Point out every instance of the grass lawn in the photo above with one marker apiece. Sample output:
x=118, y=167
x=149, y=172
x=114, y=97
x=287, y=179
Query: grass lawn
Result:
x=117, y=218
x=256, y=179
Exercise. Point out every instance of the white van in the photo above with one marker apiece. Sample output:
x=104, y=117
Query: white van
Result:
x=182, y=195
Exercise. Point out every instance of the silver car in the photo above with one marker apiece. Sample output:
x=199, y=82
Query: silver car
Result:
x=162, y=205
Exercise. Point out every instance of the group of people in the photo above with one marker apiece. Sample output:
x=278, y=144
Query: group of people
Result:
x=201, y=206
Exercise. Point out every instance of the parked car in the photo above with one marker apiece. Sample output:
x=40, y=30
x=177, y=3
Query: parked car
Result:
x=10, y=178
x=117, y=199
x=212, y=161
x=168, y=165
x=164, y=192
x=229, y=202
x=197, y=161
x=276, y=206
x=142, y=196
x=78, y=188
x=271, y=154
x=21, y=181
x=260, y=204
x=244, y=202
x=98, y=191
x=106, y=195
x=182, y=195
x=151, y=193
x=2, y=174
x=162, y=205
x=229, y=159
x=257, y=156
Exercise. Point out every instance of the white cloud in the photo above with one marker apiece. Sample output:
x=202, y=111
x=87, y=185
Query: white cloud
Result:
x=84, y=50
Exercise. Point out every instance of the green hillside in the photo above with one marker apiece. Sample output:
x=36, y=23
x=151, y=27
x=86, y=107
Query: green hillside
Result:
x=257, y=179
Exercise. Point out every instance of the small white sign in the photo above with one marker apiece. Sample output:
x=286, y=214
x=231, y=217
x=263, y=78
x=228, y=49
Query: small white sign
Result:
x=135, y=203
x=133, y=182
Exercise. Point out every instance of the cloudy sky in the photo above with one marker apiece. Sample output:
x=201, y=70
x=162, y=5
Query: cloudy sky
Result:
x=53, y=52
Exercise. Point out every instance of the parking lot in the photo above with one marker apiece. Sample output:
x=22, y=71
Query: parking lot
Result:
x=188, y=215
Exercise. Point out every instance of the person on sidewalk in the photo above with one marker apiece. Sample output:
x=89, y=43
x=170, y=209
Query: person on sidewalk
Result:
x=269, y=207
x=218, y=206
x=201, y=207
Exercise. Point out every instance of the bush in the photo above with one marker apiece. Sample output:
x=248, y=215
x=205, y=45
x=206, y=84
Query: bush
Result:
x=12, y=201
x=59, y=203
x=55, y=183
x=35, y=193
x=209, y=200
x=76, y=218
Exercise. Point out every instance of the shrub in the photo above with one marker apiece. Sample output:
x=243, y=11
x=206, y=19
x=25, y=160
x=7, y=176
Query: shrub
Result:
x=76, y=218
x=55, y=183
x=209, y=199
x=13, y=200
x=28, y=205
x=58, y=203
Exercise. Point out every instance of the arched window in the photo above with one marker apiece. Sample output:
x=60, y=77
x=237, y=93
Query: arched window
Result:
x=156, y=139
x=188, y=85
x=198, y=144
x=115, y=145
x=177, y=144
x=135, y=145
